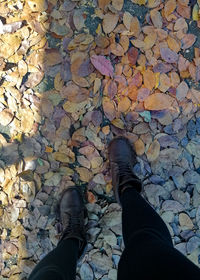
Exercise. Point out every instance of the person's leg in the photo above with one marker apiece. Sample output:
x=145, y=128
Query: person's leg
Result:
x=149, y=251
x=59, y=264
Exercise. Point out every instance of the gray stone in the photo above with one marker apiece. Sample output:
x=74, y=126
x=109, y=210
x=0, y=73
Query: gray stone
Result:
x=44, y=210
x=109, y=237
x=182, y=197
x=101, y=262
x=93, y=232
x=54, y=180
x=153, y=192
x=86, y=272
x=168, y=216
x=116, y=259
x=112, y=274
x=193, y=148
x=181, y=247
x=179, y=182
x=196, y=198
x=192, y=177
x=111, y=219
x=171, y=205
x=193, y=244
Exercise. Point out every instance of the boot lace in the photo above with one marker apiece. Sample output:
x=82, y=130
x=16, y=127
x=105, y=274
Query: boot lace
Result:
x=74, y=224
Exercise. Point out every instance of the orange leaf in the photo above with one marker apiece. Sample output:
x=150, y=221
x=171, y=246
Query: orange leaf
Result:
x=116, y=49
x=158, y=101
x=91, y=197
x=149, y=79
x=124, y=104
x=48, y=149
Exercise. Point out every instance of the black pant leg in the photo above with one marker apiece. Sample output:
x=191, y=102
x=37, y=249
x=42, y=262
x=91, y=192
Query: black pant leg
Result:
x=59, y=264
x=149, y=252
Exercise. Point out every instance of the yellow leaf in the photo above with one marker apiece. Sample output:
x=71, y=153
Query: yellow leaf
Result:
x=91, y=197
x=18, y=137
x=195, y=12
x=157, y=76
x=48, y=149
x=61, y=157
x=118, y=123
x=108, y=187
x=149, y=41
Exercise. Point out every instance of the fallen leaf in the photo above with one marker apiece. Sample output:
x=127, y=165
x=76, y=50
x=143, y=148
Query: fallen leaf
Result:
x=181, y=91
x=169, y=8
x=149, y=79
x=109, y=22
x=164, y=83
x=26, y=175
x=132, y=55
x=52, y=57
x=135, y=27
x=118, y=4
x=168, y=55
x=149, y=41
x=124, y=104
x=127, y=19
x=103, y=65
x=136, y=80
x=153, y=151
x=116, y=49
x=188, y=41
x=173, y=44
x=156, y=18
x=79, y=19
x=103, y=3
x=74, y=93
x=6, y=116
x=132, y=92
x=158, y=101
x=84, y=173
x=143, y=93
x=91, y=197
x=118, y=123
x=109, y=109
x=139, y=147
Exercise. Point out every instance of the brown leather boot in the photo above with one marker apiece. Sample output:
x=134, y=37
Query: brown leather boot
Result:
x=122, y=158
x=72, y=212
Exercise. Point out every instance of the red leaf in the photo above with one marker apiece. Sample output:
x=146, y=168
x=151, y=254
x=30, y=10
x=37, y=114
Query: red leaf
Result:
x=132, y=55
x=102, y=64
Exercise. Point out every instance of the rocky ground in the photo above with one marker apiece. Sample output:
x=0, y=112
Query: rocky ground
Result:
x=73, y=75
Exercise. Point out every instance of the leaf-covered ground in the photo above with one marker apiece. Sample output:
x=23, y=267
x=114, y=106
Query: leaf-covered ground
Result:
x=74, y=74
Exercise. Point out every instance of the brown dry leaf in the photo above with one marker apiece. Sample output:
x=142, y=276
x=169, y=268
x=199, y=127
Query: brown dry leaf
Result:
x=109, y=22
x=103, y=3
x=84, y=173
x=37, y=5
x=52, y=57
x=135, y=27
x=132, y=55
x=102, y=41
x=158, y=101
x=164, y=83
x=118, y=4
x=173, y=44
x=22, y=68
x=72, y=107
x=188, y=40
x=74, y=93
x=149, y=79
x=132, y=92
x=61, y=157
x=80, y=81
x=124, y=42
x=109, y=108
x=91, y=197
x=138, y=43
x=127, y=19
x=149, y=41
x=169, y=8
x=58, y=82
x=9, y=44
x=124, y=104
x=6, y=117
x=139, y=147
x=116, y=49
x=27, y=120
x=156, y=18
x=153, y=3
x=153, y=151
